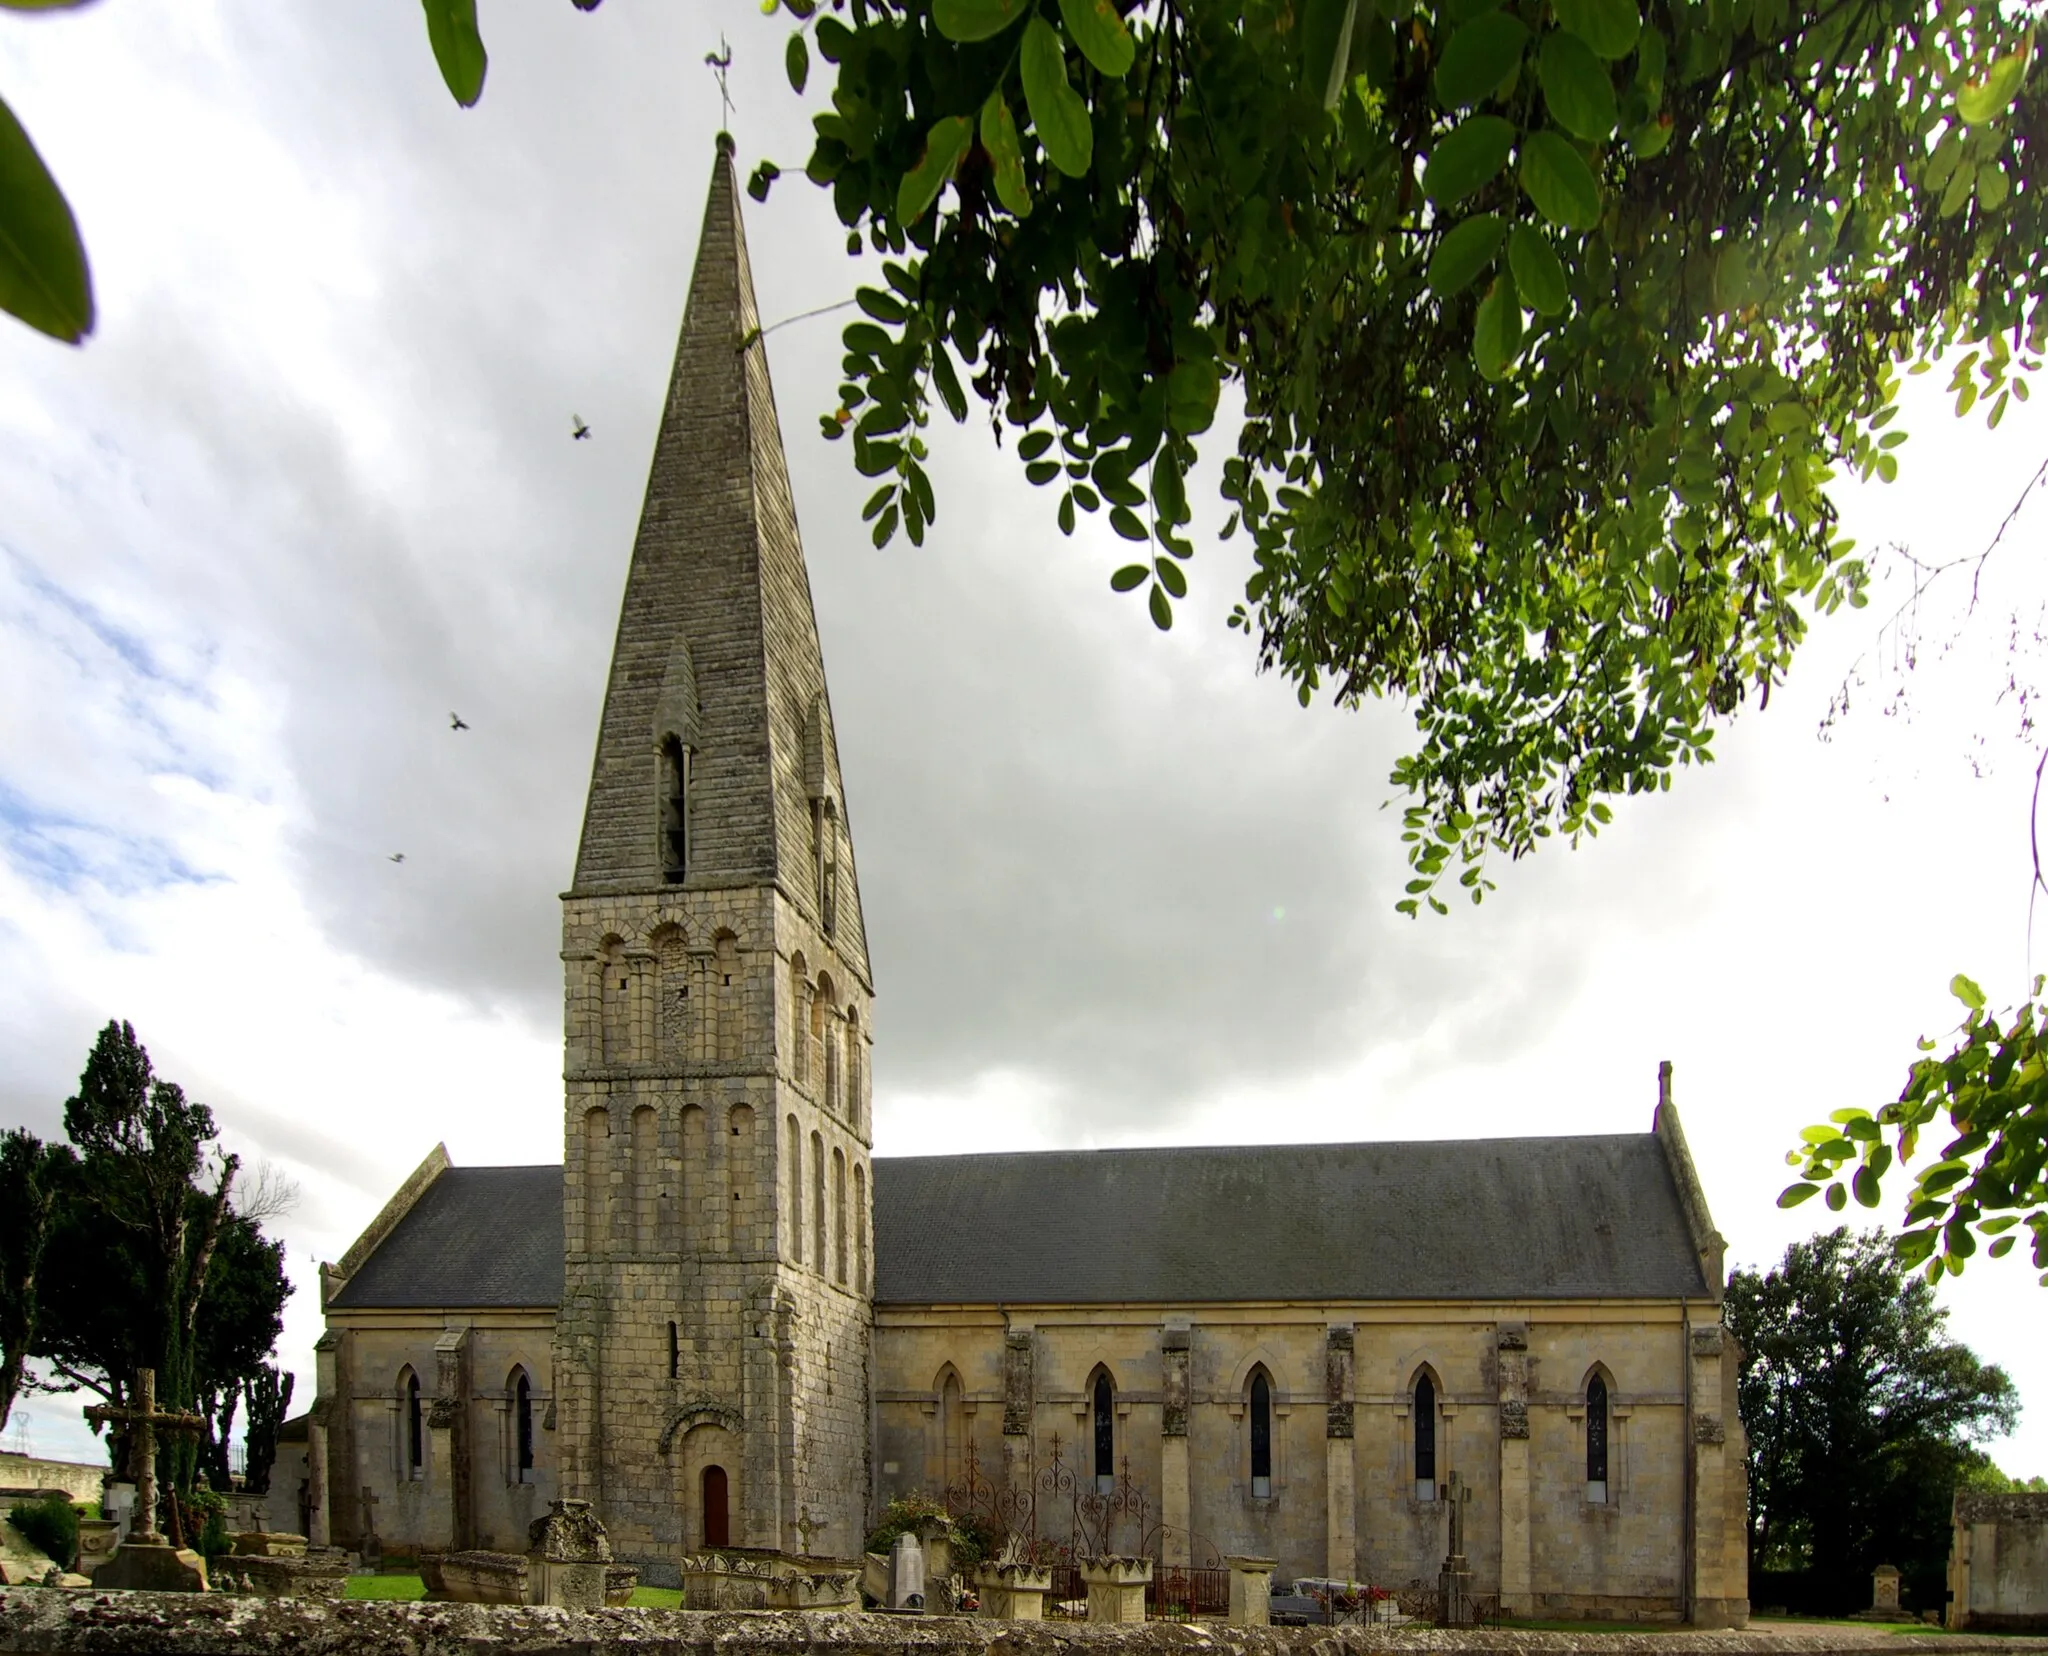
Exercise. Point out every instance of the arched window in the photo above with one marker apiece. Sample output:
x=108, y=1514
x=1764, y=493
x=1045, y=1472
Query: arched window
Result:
x=675, y=809
x=821, y=1001
x=522, y=1428
x=1425, y=1438
x=952, y=1429
x=729, y=990
x=672, y=977
x=832, y=1101
x=415, y=1437
x=853, y=1067
x=818, y=1201
x=839, y=1216
x=646, y=1131
x=1105, y=1433
x=860, y=1227
x=1596, y=1439
x=739, y=1168
x=796, y=1189
x=1262, y=1435
x=674, y=1350
x=799, y=1023
x=597, y=1179
x=614, y=1003
x=825, y=837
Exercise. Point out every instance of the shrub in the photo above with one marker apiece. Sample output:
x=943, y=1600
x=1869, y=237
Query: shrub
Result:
x=51, y=1524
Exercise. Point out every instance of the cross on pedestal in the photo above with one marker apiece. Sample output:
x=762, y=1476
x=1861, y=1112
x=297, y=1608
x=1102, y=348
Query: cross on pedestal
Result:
x=807, y=1526
x=148, y=1420
x=369, y=1517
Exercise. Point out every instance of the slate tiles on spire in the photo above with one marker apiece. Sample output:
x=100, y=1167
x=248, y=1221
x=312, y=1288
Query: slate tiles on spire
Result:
x=717, y=610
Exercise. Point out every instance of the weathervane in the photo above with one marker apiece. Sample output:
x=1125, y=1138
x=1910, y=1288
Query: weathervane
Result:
x=720, y=61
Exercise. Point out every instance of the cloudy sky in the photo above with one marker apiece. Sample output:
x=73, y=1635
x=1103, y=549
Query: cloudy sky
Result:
x=310, y=487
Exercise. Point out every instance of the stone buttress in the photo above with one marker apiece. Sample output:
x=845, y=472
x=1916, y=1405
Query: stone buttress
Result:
x=712, y=1347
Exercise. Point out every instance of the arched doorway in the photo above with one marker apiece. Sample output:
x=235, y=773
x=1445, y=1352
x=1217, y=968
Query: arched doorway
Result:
x=717, y=1529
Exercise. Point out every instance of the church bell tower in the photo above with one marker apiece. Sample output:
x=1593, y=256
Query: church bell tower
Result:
x=712, y=1346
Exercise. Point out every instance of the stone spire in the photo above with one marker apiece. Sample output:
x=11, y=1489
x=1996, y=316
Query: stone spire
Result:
x=717, y=656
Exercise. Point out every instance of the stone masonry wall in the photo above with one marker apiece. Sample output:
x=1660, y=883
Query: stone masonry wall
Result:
x=1624, y=1555
x=701, y=1327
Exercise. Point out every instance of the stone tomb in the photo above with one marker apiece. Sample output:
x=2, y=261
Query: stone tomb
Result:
x=1998, y=1563
x=569, y=1564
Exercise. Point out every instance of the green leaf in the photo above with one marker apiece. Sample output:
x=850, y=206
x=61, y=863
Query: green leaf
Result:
x=1129, y=578
x=1837, y=1198
x=1057, y=112
x=796, y=59
x=1479, y=57
x=1966, y=991
x=1099, y=31
x=1192, y=390
x=1326, y=31
x=1171, y=576
x=1466, y=249
x=1539, y=273
x=1497, y=330
x=971, y=20
x=1577, y=88
x=1866, y=1187
x=458, y=47
x=948, y=382
x=1006, y=155
x=1559, y=181
x=1469, y=155
x=1793, y=1195
x=1610, y=27
x=943, y=146
x=1128, y=524
x=1984, y=100
x=44, y=279
x=1162, y=611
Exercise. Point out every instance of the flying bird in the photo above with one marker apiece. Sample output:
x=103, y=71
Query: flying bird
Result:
x=457, y=722
x=578, y=430
x=396, y=856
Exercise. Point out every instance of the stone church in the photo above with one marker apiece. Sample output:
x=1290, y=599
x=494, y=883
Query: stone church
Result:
x=725, y=1324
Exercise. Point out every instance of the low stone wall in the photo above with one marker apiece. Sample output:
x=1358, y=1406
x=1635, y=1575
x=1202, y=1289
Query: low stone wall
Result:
x=78, y=1479
x=45, y=1622
x=1998, y=1563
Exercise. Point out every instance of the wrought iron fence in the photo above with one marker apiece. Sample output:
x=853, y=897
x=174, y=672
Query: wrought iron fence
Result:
x=1177, y=1593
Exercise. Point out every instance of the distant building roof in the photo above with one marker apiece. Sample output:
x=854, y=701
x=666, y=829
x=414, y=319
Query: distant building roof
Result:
x=477, y=1236
x=1531, y=1218
x=1480, y=1219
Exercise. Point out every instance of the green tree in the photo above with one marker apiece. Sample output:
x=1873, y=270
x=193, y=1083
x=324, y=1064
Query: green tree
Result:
x=139, y=1210
x=268, y=1391
x=32, y=1175
x=1987, y=1180
x=1861, y=1417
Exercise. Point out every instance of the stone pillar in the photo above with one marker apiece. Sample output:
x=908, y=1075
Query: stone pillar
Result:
x=1013, y=1592
x=571, y=1554
x=1017, y=1405
x=1251, y=1591
x=1175, y=1546
x=327, y=1403
x=1116, y=1588
x=1511, y=1362
x=1339, y=1471
x=1718, y=1599
x=448, y=1422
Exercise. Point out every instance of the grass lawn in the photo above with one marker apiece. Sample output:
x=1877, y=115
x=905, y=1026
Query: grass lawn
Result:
x=406, y=1587
x=385, y=1587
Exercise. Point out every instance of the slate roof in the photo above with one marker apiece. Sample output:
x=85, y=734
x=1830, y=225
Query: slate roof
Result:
x=478, y=1236
x=1471, y=1219
x=1487, y=1219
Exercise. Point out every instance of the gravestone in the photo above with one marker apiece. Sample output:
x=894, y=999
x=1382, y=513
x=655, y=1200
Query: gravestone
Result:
x=146, y=1562
x=906, y=1573
x=1251, y=1591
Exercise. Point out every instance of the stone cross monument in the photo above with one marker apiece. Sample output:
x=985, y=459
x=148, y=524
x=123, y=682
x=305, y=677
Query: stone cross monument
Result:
x=146, y=1560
